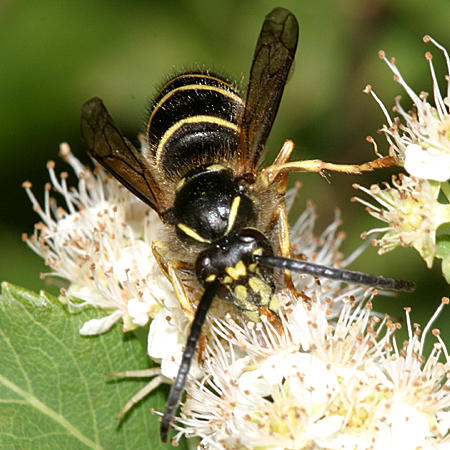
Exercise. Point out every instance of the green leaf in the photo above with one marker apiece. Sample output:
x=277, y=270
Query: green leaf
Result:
x=443, y=246
x=446, y=268
x=54, y=391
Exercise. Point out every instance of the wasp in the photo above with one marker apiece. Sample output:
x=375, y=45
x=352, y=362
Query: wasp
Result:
x=226, y=219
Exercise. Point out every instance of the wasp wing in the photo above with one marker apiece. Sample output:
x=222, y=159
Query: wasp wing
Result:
x=272, y=61
x=116, y=153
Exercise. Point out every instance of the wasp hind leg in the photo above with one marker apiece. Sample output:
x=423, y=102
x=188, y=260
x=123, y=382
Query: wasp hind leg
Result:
x=149, y=387
x=282, y=165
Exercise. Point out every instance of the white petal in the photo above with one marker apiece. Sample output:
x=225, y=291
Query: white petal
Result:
x=139, y=311
x=162, y=290
x=171, y=363
x=98, y=326
x=443, y=418
x=409, y=428
x=137, y=257
x=163, y=336
x=88, y=293
x=429, y=164
x=166, y=345
x=253, y=381
x=325, y=428
x=316, y=377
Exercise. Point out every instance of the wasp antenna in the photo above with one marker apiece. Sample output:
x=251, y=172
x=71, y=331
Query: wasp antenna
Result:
x=189, y=350
x=335, y=274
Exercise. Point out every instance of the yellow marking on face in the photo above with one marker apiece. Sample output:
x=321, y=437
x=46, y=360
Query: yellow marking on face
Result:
x=261, y=288
x=255, y=283
x=233, y=213
x=274, y=304
x=244, y=304
x=232, y=272
x=253, y=315
x=258, y=251
x=210, y=278
x=240, y=292
x=241, y=269
x=180, y=184
x=227, y=280
x=191, y=233
x=252, y=267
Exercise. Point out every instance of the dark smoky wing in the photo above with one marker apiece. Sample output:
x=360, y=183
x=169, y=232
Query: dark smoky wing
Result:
x=116, y=153
x=272, y=61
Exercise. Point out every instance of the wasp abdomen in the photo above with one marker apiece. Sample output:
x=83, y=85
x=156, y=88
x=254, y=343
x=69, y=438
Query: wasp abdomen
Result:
x=194, y=119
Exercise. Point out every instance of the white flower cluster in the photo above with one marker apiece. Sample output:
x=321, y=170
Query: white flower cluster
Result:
x=100, y=240
x=326, y=372
x=415, y=206
x=313, y=383
x=412, y=212
x=420, y=139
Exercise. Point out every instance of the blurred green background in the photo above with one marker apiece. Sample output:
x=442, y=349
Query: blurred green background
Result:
x=57, y=54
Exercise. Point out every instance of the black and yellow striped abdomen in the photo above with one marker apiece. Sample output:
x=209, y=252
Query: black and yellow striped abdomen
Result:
x=194, y=120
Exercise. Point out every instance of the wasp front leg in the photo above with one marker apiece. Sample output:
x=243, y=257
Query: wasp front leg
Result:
x=170, y=268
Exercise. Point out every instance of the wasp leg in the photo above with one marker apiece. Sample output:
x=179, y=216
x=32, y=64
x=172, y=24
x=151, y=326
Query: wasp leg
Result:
x=279, y=218
x=159, y=248
x=169, y=269
x=282, y=165
x=285, y=153
x=280, y=214
x=283, y=231
x=283, y=157
x=284, y=242
x=149, y=387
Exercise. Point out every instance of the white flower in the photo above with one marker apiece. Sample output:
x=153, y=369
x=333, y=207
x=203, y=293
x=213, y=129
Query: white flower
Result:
x=323, y=373
x=166, y=340
x=429, y=164
x=352, y=389
x=412, y=212
x=99, y=240
x=420, y=139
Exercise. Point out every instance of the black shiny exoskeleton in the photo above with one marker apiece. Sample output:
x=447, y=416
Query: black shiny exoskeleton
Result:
x=204, y=203
x=225, y=219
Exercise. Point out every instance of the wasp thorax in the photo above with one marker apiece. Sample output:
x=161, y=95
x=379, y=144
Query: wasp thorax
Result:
x=210, y=203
